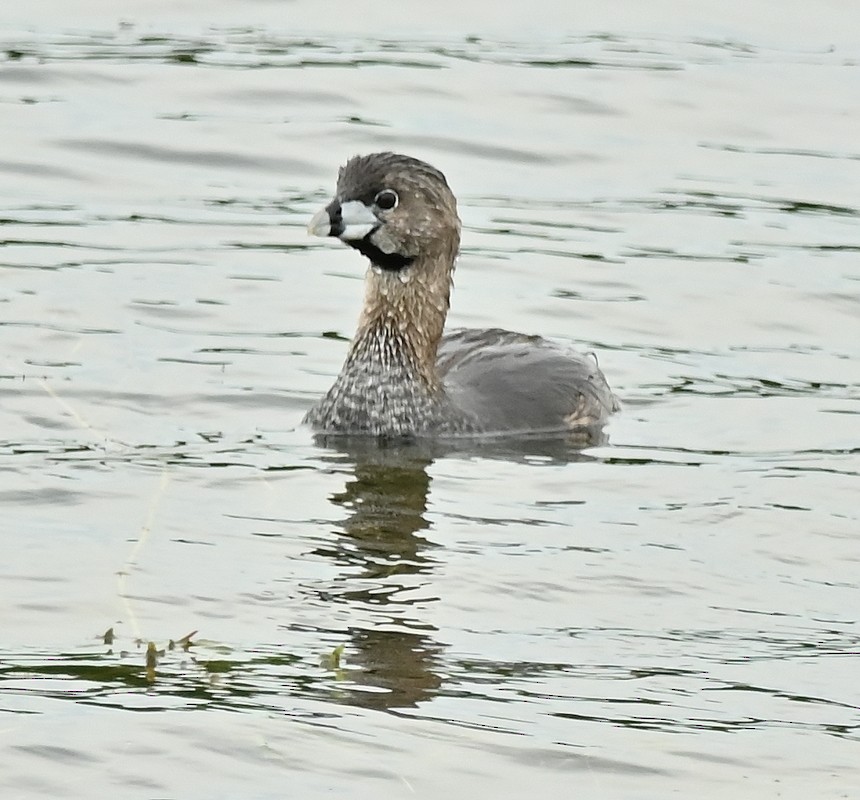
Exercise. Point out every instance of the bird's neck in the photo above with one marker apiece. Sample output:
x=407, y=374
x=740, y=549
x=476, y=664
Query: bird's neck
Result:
x=402, y=321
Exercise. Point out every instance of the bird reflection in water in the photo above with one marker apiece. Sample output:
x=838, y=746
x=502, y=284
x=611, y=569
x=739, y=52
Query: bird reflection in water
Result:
x=389, y=561
x=381, y=542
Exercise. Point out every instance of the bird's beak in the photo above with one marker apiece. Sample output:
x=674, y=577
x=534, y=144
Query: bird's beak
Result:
x=320, y=224
x=348, y=221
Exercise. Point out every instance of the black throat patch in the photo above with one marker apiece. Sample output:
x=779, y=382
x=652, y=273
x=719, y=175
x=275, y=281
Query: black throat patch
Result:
x=392, y=262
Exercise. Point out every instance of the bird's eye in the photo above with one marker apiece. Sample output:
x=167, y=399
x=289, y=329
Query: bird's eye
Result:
x=386, y=199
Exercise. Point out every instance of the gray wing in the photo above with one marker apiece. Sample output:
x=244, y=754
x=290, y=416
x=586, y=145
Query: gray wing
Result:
x=513, y=382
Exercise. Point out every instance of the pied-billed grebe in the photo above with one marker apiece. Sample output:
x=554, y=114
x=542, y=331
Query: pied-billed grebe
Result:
x=402, y=377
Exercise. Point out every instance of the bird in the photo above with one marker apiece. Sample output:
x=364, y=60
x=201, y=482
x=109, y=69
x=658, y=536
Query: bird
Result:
x=404, y=377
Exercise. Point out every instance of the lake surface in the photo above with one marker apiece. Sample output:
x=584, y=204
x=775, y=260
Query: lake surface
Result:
x=676, y=612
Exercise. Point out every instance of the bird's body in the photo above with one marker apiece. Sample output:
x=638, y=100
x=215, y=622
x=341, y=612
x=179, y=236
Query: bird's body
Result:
x=402, y=377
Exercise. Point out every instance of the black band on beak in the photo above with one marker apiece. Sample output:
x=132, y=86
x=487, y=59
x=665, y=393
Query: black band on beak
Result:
x=335, y=217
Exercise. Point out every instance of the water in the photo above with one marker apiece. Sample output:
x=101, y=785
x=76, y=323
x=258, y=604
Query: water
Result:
x=674, y=612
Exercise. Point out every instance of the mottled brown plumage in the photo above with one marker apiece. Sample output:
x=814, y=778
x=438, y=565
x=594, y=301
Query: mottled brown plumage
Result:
x=402, y=377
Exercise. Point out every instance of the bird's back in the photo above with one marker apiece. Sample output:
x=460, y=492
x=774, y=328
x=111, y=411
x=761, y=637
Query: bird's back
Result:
x=511, y=382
